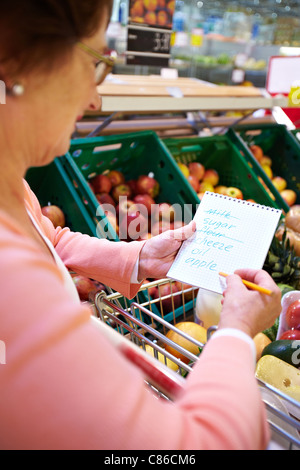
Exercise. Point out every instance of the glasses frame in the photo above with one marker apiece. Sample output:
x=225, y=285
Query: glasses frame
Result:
x=108, y=61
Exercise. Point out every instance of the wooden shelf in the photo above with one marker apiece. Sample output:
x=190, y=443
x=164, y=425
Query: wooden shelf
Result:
x=154, y=94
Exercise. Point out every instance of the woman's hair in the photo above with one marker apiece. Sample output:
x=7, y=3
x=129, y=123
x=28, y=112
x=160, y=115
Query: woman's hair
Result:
x=39, y=33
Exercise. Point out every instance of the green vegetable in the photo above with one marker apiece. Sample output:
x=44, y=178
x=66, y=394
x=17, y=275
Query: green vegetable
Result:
x=283, y=349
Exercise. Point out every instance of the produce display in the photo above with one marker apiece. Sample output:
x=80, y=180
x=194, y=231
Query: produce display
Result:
x=288, y=195
x=207, y=179
x=131, y=206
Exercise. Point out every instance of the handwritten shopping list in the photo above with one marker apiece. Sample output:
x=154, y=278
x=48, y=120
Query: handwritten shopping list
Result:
x=230, y=234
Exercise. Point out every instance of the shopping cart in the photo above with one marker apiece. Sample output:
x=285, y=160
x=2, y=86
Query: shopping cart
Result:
x=142, y=336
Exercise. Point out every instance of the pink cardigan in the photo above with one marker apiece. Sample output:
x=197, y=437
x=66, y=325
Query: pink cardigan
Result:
x=65, y=387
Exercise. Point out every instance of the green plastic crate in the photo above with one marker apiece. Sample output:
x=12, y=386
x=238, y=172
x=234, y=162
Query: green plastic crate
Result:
x=134, y=154
x=222, y=154
x=282, y=146
x=52, y=185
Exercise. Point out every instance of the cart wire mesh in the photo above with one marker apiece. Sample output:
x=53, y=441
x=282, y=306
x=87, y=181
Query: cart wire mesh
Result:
x=144, y=325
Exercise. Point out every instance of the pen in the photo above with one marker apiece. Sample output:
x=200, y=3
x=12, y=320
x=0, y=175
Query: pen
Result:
x=251, y=285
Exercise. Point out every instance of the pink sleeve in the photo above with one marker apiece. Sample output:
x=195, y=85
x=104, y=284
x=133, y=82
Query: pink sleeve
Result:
x=108, y=262
x=65, y=387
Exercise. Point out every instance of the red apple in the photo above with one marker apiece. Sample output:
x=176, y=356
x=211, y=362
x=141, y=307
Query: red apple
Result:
x=125, y=206
x=193, y=182
x=197, y=170
x=211, y=176
x=289, y=196
x=257, y=152
x=85, y=287
x=144, y=200
x=105, y=199
x=234, y=192
x=55, y=214
x=101, y=184
x=163, y=211
x=123, y=190
x=116, y=177
x=147, y=185
x=132, y=185
x=133, y=226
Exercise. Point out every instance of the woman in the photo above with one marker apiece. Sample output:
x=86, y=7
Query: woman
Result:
x=63, y=385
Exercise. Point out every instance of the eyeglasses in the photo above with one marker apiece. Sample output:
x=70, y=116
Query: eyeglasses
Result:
x=104, y=65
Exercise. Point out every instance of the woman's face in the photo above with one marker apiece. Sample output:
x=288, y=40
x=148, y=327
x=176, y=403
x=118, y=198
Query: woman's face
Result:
x=60, y=98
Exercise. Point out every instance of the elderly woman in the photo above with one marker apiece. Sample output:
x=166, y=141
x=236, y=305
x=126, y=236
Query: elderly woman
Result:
x=64, y=385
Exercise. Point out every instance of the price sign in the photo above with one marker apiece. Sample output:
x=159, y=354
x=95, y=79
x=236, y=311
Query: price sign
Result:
x=149, y=32
x=148, y=46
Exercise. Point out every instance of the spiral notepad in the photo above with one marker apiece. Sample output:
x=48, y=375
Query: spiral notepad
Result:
x=231, y=234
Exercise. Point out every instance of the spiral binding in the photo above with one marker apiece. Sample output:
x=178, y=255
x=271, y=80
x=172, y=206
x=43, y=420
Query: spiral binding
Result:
x=241, y=201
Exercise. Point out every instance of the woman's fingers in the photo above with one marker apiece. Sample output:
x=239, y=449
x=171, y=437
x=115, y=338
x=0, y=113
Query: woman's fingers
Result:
x=258, y=276
x=183, y=233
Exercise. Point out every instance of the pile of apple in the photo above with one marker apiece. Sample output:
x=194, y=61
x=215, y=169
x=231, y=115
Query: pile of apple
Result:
x=130, y=206
x=291, y=225
x=207, y=179
x=288, y=195
x=132, y=203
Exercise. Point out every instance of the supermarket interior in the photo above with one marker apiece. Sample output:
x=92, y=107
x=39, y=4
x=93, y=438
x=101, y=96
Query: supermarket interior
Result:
x=199, y=125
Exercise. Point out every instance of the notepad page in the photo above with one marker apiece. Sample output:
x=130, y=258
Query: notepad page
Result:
x=230, y=234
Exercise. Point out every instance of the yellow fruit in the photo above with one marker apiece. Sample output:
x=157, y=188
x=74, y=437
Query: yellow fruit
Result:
x=266, y=161
x=192, y=329
x=184, y=169
x=149, y=350
x=261, y=341
x=268, y=170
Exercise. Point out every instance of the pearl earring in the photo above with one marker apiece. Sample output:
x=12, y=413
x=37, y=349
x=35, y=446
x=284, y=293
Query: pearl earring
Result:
x=17, y=89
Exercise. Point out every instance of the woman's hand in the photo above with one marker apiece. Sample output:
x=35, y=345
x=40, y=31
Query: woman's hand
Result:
x=159, y=252
x=250, y=310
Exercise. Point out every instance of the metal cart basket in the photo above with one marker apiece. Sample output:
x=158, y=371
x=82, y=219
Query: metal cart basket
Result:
x=141, y=335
